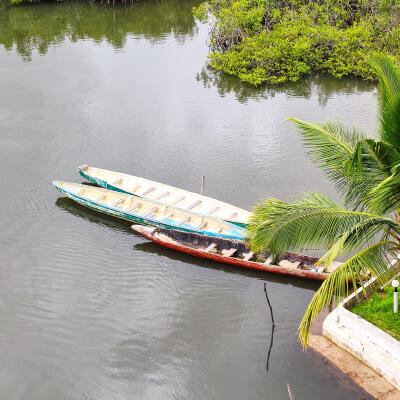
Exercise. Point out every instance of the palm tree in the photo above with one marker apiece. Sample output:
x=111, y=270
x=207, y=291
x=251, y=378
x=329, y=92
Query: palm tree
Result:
x=366, y=172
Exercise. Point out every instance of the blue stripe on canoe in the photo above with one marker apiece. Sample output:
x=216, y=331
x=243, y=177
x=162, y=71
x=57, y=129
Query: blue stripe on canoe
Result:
x=165, y=223
x=105, y=185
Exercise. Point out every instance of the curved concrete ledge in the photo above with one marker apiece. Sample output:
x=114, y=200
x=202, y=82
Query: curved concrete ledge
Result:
x=365, y=341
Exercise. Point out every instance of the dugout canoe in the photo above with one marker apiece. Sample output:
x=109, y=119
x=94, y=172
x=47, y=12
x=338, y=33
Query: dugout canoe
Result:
x=169, y=195
x=235, y=252
x=145, y=211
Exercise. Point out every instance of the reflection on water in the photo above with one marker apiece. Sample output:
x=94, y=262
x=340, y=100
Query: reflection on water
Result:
x=74, y=208
x=323, y=87
x=146, y=246
x=28, y=27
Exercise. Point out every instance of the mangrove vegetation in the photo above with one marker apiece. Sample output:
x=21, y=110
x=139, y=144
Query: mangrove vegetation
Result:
x=276, y=41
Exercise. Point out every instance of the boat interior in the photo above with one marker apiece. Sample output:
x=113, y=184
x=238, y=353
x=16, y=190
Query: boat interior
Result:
x=174, y=197
x=238, y=249
x=147, y=209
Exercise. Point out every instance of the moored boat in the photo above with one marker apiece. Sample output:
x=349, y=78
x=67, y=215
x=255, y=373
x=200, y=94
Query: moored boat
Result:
x=236, y=252
x=169, y=195
x=145, y=211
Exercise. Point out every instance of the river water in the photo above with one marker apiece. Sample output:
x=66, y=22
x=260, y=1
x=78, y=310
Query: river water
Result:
x=89, y=310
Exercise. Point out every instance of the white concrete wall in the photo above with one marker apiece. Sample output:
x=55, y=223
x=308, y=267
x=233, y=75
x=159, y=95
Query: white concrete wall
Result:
x=365, y=341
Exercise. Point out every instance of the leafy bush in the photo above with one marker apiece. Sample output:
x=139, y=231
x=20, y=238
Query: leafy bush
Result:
x=276, y=41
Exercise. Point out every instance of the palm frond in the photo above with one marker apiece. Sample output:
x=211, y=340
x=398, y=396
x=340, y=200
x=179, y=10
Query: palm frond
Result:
x=315, y=220
x=332, y=147
x=390, y=122
x=376, y=258
x=329, y=145
x=389, y=99
x=356, y=189
x=360, y=235
x=385, y=197
x=372, y=157
x=388, y=77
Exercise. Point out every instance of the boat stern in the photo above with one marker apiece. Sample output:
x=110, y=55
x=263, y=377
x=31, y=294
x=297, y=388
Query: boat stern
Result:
x=58, y=184
x=83, y=172
x=83, y=167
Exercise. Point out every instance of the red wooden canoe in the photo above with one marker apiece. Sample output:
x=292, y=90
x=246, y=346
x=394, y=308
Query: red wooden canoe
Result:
x=233, y=252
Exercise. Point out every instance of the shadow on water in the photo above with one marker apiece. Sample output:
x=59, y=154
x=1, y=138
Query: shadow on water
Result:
x=323, y=87
x=150, y=247
x=120, y=225
x=70, y=206
x=32, y=27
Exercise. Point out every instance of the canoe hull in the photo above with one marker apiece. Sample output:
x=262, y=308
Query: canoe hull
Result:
x=274, y=269
x=102, y=183
x=100, y=178
x=115, y=212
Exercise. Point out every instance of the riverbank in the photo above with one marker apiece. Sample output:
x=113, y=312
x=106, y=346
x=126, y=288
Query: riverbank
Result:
x=344, y=365
x=363, y=340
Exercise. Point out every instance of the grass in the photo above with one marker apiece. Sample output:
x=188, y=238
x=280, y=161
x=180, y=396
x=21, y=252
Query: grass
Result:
x=378, y=310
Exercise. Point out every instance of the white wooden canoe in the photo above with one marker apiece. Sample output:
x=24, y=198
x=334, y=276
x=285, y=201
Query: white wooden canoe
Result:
x=166, y=194
x=145, y=211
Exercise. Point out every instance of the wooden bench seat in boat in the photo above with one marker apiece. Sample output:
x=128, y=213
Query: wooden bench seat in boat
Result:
x=146, y=192
x=183, y=221
x=162, y=195
x=150, y=212
x=232, y=216
x=195, y=204
x=248, y=256
x=203, y=225
x=334, y=266
x=134, y=207
x=211, y=248
x=229, y=253
x=269, y=260
x=117, y=182
x=213, y=211
x=289, y=264
x=178, y=200
x=118, y=202
x=101, y=198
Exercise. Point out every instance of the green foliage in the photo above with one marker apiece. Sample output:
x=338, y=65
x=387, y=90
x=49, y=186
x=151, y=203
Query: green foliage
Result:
x=313, y=220
x=337, y=285
x=15, y=2
x=201, y=12
x=378, y=310
x=328, y=146
x=367, y=173
x=276, y=41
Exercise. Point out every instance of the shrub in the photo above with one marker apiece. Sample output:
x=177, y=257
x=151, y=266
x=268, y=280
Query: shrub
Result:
x=276, y=41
